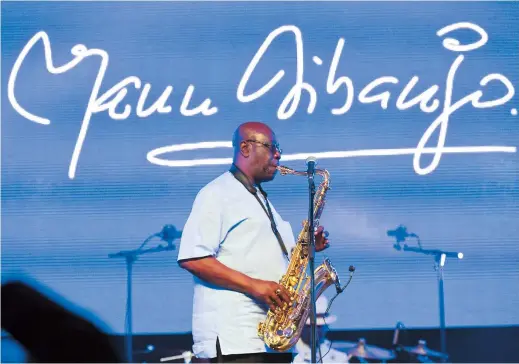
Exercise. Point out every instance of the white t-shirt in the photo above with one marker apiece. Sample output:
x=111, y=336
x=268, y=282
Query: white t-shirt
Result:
x=330, y=355
x=227, y=222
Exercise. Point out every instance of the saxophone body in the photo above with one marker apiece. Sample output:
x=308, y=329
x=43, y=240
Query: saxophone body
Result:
x=282, y=328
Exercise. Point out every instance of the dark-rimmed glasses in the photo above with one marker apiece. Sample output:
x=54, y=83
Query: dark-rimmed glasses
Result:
x=272, y=147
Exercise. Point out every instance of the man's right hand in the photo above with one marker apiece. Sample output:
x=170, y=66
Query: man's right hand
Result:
x=271, y=293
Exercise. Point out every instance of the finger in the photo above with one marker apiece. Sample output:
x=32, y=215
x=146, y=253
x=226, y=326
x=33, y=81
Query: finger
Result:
x=284, y=295
x=318, y=230
x=271, y=304
x=277, y=300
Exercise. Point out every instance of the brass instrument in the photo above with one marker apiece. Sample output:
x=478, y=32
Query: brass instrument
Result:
x=282, y=328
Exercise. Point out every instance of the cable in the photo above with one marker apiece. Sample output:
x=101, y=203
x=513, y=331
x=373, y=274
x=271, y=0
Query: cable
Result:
x=321, y=356
x=352, y=271
x=146, y=241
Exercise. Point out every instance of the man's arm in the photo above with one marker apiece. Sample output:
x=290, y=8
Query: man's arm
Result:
x=211, y=270
x=200, y=242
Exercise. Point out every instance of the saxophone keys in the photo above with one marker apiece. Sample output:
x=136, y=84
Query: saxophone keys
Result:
x=261, y=329
x=293, y=280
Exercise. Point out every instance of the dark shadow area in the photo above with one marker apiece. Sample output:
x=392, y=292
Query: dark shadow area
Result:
x=49, y=332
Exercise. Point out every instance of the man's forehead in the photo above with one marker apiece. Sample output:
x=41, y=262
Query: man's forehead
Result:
x=264, y=136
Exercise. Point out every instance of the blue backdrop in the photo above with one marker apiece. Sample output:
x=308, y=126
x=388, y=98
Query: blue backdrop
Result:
x=84, y=175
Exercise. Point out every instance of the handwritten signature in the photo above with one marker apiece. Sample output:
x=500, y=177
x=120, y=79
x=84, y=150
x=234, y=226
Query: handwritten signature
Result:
x=427, y=101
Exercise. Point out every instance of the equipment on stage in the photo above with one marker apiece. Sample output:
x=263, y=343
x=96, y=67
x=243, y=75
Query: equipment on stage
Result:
x=185, y=357
x=440, y=256
x=364, y=352
x=398, y=353
x=282, y=328
x=168, y=234
x=422, y=350
x=361, y=350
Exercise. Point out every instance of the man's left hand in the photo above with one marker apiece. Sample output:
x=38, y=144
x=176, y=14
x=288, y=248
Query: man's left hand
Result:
x=321, y=239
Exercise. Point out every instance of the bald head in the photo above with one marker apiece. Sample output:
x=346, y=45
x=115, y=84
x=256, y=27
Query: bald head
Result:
x=250, y=130
x=256, y=151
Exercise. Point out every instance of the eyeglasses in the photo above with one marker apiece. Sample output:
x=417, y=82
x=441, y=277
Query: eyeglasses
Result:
x=272, y=147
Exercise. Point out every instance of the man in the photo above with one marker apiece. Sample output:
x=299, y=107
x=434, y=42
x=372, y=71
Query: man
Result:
x=238, y=247
x=324, y=346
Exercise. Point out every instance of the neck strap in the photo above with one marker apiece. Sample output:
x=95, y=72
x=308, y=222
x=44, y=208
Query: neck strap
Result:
x=245, y=181
x=242, y=177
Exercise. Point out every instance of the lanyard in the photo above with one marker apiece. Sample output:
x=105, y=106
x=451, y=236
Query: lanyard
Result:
x=240, y=176
x=272, y=221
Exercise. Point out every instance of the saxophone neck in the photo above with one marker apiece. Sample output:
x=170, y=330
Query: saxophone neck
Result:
x=286, y=170
x=320, y=195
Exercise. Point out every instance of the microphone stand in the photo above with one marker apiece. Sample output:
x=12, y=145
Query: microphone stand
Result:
x=311, y=252
x=439, y=260
x=131, y=256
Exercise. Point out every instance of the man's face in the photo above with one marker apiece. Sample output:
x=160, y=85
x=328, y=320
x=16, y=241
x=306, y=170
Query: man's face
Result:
x=264, y=156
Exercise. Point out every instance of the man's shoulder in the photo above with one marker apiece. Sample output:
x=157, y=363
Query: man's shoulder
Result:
x=220, y=182
x=217, y=187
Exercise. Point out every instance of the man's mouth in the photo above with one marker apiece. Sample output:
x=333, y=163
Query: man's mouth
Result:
x=271, y=168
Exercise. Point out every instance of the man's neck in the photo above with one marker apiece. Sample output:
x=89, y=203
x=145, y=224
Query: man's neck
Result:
x=243, y=169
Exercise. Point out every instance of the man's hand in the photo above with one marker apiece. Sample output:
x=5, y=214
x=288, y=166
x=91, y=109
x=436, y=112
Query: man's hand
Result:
x=212, y=271
x=321, y=239
x=271, y=293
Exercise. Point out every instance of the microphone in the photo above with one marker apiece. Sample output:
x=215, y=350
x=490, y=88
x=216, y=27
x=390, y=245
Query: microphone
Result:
x=400, y=233
x=310, y=163
x=169, y=233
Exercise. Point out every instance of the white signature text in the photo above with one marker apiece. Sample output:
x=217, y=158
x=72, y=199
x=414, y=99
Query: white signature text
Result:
x=428, y=101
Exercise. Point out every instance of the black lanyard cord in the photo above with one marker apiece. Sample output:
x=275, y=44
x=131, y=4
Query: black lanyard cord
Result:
x=272, y=221
x=241, y=177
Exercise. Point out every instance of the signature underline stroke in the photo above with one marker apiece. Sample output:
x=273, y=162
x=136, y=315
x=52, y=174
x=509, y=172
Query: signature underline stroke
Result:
x=154, y=156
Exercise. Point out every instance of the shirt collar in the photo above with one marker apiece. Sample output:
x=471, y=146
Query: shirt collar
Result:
x=244, y=180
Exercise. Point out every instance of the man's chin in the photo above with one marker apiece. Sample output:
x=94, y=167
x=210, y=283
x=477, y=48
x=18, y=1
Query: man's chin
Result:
x=269, y=178
x=269, y=175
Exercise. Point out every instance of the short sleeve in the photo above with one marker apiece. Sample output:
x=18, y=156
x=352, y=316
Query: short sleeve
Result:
x=202, y=231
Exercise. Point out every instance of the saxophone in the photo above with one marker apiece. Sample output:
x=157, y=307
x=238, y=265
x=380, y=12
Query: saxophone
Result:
x=282, y=328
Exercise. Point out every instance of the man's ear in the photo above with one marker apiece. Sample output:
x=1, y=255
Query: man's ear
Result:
x=245, y=149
